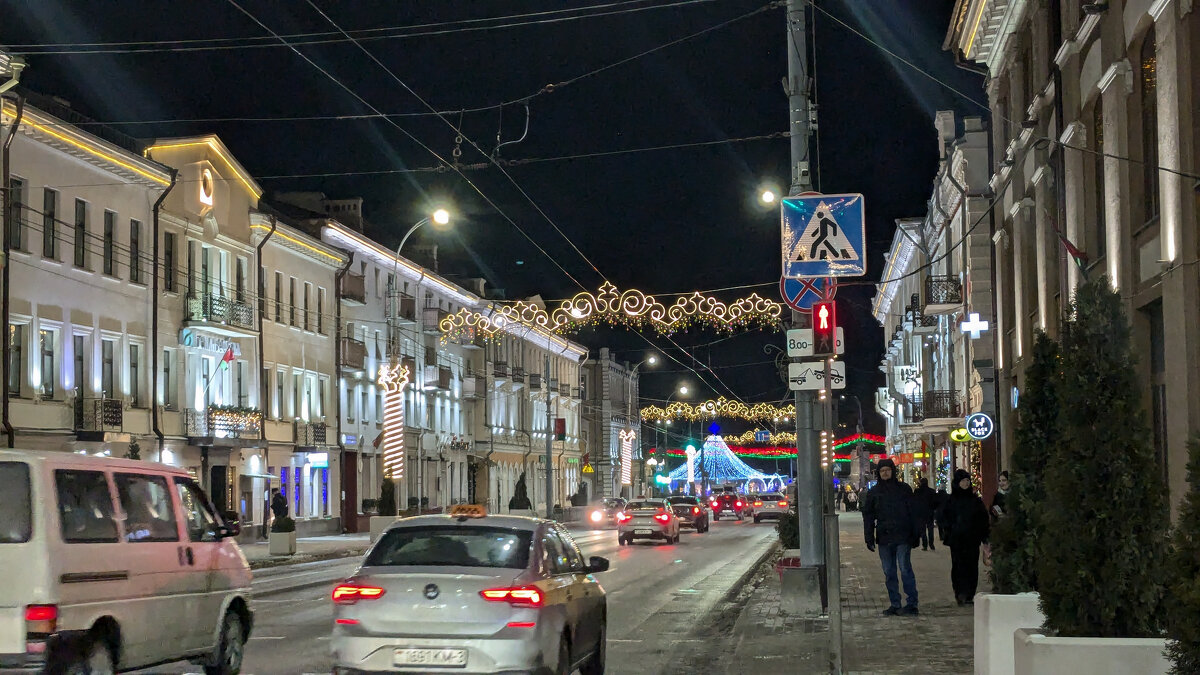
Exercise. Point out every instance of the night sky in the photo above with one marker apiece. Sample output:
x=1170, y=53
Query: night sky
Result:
x=665, y=221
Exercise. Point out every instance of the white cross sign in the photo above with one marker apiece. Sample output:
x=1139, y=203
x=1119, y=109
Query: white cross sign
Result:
x=974, y=326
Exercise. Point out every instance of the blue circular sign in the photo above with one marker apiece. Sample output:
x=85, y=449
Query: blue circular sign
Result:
x=800, y=294
x=980, y=426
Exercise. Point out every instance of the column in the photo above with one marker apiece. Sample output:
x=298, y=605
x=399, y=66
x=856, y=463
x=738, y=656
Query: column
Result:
x=1020, y=276
x=1044, y=247
x=1116, y=85
x=1073, y=166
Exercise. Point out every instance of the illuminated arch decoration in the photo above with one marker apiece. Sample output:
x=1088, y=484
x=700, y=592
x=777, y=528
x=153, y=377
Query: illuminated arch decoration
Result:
x=871, y=443
x=393, y=379
x=719, y=408
x=627, y=436
x=630, y=308
x=772, y=452
x=777, y=439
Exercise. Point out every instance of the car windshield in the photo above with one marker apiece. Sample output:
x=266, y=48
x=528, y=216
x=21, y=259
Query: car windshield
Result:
x=634, y=506
x=16, y=522
x=612, y=503
x=452, y=545
x=770, y=498
x=683, y=500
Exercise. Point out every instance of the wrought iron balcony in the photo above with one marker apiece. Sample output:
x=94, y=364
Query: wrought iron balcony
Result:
x=518, y=374
x=99, y=414
x=211, y=308
x=310, y=434
x=943, y=294
x=500, y=370
x=222, y=422
x=474, y=386
x=431, y=317
x=402, y=308
x=935, y=405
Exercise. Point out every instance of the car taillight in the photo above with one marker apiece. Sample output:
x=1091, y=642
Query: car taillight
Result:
x=348, y=594
x=521, y=596
x=739, y=504
x=41, y=619
x=662, y=517
x=623, y=517
x=758, y=503
x=696, y=510
x=783, y=503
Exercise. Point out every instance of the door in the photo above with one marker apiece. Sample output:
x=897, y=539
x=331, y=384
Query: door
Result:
x=564, y=591
x=202, y=551
x=350, y=491
x=587, y=592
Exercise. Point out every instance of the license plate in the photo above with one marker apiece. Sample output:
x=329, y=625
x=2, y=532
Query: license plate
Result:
x=438, y=658
x=643, y=531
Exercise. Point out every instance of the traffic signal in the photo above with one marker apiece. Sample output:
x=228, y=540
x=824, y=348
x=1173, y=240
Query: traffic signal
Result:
x=824, y=316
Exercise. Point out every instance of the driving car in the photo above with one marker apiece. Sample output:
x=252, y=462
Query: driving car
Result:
x=471, y=593
x=647, y=519
x=770, y=505
x=604, y=513
x=690, y=512
x=727, y=503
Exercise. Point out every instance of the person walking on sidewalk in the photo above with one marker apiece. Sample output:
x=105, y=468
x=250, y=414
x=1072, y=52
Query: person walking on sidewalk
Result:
x=890, y=522
x=926, y=501
x=999, y=500
x=967, y=528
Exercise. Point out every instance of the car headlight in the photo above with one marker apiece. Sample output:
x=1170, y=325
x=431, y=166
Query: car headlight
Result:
x=597, y=516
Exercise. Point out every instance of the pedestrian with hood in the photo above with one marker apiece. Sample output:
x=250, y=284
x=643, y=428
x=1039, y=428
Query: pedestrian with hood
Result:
x=890, y=522
x=967, y=528
x=926, y=501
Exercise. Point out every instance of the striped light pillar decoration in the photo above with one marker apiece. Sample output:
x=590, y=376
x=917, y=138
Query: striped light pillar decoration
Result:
x=627, y=436
x=691, y=464
x=393, y=378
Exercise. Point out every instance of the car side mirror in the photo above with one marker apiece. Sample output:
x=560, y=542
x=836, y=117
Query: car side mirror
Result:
x=597, y=564
x=232, y=526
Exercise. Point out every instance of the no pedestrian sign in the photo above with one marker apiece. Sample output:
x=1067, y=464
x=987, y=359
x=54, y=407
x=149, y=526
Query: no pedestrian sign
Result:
x=824, y=236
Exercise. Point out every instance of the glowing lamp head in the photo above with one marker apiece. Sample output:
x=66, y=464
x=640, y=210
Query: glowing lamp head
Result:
x=683, y=390
x=441, y=217
x=768, y=196
x=652, y=360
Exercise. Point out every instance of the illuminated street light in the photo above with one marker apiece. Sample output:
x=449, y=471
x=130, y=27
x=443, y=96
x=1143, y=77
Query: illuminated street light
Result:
x=768, y=196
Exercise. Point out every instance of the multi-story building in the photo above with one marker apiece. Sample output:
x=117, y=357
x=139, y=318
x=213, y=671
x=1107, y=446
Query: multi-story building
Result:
x=1094, y=130
x=78, y=372
x=611, y=388
x=937, y=280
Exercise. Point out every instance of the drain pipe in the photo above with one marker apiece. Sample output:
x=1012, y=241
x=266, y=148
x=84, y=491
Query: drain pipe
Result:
x=337, y=399
x=9, y=214
x=155, y=408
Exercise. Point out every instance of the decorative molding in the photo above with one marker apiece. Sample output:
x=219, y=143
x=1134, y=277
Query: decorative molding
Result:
x=1120, y=70
x=1074, y=131
x=1039, y=174
x=1089, y=25
x=1066, y=50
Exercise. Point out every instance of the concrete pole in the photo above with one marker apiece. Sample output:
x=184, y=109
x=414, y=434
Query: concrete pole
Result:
x=549, y=442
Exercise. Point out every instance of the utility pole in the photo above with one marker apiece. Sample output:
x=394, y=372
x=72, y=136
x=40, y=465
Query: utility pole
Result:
x=809, y=493
x=549, y=442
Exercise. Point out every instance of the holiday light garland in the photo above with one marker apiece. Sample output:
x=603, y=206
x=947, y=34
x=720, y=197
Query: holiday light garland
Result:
x=393, y=378
x=865, y=439
x=780, y=438
x=775, y=452
x=627, y=436
x=721, y=407
x=631, y=308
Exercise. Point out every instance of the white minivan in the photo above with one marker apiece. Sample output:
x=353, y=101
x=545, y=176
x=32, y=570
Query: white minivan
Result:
x=115, y=564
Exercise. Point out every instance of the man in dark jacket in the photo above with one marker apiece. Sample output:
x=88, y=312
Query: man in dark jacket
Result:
x=890, y=522
x=926, y=501
x=967, y=527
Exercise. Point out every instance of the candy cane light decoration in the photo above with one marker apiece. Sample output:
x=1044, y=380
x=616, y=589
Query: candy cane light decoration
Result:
x=393, y=378
x=627, y=436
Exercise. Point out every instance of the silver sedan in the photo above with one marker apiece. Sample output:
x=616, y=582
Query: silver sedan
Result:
x=471, y=593
x=648, y=519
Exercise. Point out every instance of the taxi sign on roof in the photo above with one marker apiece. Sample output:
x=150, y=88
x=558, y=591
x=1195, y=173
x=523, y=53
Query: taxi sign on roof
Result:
x=468, y=511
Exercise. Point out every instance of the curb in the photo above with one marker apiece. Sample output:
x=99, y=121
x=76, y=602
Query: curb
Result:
x=736, y=589
x=281, y=561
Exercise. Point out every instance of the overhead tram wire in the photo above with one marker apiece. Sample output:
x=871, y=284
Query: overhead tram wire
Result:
x=404, y=131
x=367, y=34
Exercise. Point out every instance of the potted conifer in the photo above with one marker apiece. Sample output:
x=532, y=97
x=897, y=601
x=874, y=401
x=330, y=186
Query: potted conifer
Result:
x=1182, y=602
x=387, y=508
x=1013, y=603
x=282, y=540
x=1100, y=558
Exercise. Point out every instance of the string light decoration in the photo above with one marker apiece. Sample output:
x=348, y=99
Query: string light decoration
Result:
x=780, y=438
x=825, y=450
x=691, y=464
x=721, y=407
x=719, y=464
x=627, y=436
x=630, y=308
x=393, y=379
x=771, y=452
x=869, y=440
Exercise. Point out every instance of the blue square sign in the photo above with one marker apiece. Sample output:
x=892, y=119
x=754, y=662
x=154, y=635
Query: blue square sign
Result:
x=824, y=236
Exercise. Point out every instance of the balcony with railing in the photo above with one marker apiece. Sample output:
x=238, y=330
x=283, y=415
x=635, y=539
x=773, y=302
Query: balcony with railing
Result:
x=518, y=375
x=352, y=289
x=99, y=415
x=431, y=317
x=938, y=405
x=402, y=308
x=474, y=386
x=222, y=422
x=943, y=294
x=926, y=324
x=535, y=381
x=218, y=313
x=310, y=434
x=500, y=370
x=352, y=353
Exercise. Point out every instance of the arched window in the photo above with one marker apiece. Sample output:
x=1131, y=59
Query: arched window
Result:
x=1148, y=72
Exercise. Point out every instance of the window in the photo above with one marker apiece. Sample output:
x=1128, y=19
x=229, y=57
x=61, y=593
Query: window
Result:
x=85, y=507
x=169, y=262
x=106, y=368
x=170, y=386
x=149, y=513
x=1149, y=100
x=322, y=392
x=449, y=545
x=279, y=395
x=16, y=211
x=320, y=310
x=297, y=392
x=574, y=557
x=239, y=288
x=49, y=224
x=554, y=559
x=135, y=251
x=46, y=337
x=307, y=293
x=79, y=350
x=81, y=257
x=110, y=242
x=1100, y=245
x=206, y=377
x=278, y=297
x=135, y=375
x=198, y=515
x=262, y=293
x=362, y=409
x=378, y=408
x=350, y=399
x=191, y=269
x=16, y=351
x=16, y=505
x=243, y=395
x=292, y=301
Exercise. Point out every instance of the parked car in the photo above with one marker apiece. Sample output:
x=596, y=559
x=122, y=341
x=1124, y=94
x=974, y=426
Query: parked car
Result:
x=604, y=513
x=115, y=564
x=769, y=506
x=648, y=519
x=690, y=512
x=727, y=503
x=469, y=592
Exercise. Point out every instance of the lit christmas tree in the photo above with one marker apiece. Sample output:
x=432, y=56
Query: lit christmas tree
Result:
x=718, y=465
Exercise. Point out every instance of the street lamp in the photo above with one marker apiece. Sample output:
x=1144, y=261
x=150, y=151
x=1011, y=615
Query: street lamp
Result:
x=768, y=196
x=652, y=462
x=10, y=67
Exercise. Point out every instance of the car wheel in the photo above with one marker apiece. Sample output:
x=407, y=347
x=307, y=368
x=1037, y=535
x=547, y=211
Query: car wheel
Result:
x=93, y=657
x=595, y=664
x=621, y=541
x=230, y=649
x=757, y=520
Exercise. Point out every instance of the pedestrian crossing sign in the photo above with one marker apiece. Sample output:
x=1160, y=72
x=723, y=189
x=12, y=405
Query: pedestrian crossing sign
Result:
x=824, y=236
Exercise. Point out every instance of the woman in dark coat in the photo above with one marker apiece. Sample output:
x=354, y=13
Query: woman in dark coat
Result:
x=967, y=526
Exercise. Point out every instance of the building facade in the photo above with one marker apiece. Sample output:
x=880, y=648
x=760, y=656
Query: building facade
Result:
x=1094, y=127
x=612, y=407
